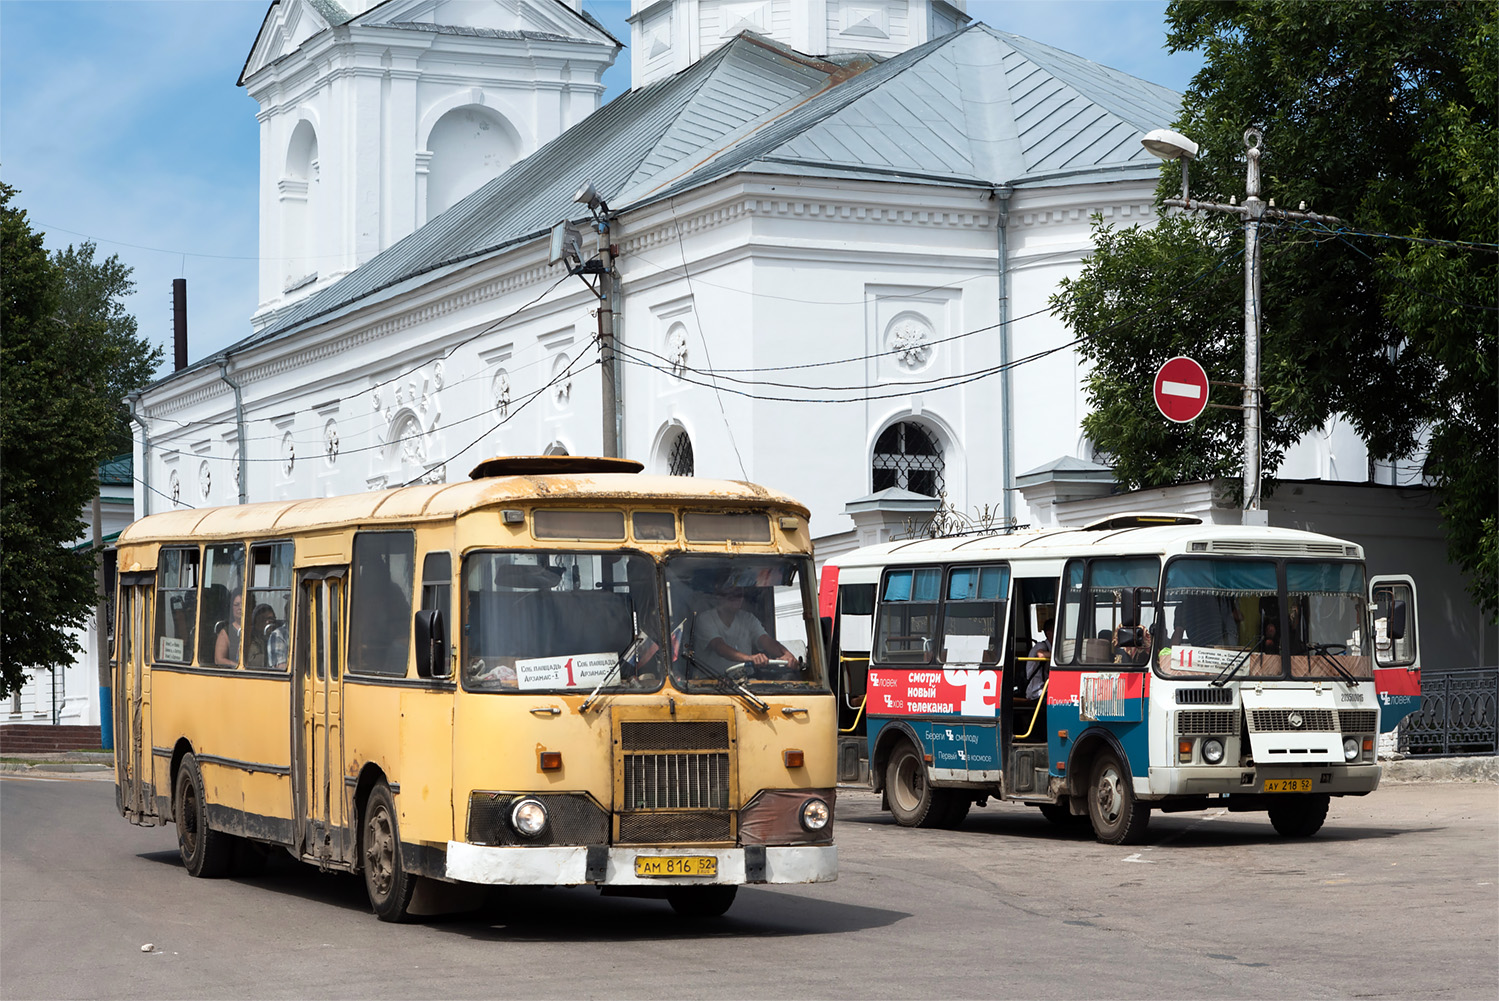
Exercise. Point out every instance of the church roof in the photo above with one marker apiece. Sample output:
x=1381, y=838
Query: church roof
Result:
x=976, y=108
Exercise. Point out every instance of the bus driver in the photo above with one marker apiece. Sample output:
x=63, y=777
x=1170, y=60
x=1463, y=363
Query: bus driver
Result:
x=728, y=636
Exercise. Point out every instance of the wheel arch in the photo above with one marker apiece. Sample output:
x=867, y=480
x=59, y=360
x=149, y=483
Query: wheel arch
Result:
x=1085, y=750
x=180, y=750
x=890, y=735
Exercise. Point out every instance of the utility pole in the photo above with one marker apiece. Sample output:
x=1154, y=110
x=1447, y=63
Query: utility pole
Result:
x=1174, y=146
x=605, y=293
x=566, y=246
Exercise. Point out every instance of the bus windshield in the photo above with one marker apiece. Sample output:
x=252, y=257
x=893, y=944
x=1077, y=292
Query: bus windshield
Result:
x=551, y=620
x=1234, y=617
x=742, y=622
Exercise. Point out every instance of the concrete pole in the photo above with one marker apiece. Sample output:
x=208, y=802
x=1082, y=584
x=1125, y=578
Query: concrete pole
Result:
x=1254, y=209
x=610, y=406
x=101, y=631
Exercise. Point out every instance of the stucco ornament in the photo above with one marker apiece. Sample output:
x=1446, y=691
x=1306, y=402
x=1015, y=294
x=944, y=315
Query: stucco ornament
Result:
x=909, y=340
x=502, y=392
x=330, y=441
x=562, y=380
x=676, y=350
x=205, y=480
x=288, y=454
x=176, y=484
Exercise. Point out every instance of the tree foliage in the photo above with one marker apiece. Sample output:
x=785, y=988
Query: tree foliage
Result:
x=1383, y=115
x=67, y=354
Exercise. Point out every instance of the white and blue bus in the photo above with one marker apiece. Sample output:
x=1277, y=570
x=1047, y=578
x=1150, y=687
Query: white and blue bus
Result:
x=1189, y=666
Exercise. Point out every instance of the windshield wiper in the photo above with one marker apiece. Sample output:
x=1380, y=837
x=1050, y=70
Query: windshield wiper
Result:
x=728, y=684
x=1226, y=675
x=1321, y=650
x=637, y=641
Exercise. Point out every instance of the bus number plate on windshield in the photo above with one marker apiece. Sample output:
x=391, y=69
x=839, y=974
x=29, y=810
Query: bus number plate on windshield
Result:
x=1288, y=785
x=685, y=865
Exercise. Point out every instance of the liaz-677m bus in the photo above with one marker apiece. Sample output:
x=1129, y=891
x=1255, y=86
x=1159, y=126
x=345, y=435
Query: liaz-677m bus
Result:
x=559, y=672
x=1143, y=662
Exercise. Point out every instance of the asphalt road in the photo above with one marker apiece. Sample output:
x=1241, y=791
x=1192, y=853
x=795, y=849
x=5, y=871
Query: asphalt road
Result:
x=1397, y=897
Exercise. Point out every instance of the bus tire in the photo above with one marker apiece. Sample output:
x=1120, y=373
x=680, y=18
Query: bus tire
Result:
x=913, y=801
x=206, y=853
x=701, y=901
x=958, y=806
x=386, y=881
x=1118, y=817
x=1299, y=816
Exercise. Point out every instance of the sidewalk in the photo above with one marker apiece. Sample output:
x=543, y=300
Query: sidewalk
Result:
x=58, y=761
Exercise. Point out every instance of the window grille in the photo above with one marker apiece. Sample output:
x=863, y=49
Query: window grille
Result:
x=679, y=462
x=908, y=456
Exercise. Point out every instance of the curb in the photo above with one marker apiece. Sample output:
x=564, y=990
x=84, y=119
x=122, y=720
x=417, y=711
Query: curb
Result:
x=11, y=767
x=1407, y=770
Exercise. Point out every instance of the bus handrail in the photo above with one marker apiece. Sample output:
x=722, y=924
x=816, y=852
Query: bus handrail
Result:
x=1036, y=712
x=857, y=715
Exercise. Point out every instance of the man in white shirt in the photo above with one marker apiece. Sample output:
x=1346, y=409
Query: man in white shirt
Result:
x=1035, y=670
x=727, y=636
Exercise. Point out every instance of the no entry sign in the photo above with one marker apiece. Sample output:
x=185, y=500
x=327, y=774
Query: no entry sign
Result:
x=1181, y=389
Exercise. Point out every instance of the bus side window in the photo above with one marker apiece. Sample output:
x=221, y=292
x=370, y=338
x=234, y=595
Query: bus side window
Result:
x=176, y=605
x=380, y=603
x=906, y=630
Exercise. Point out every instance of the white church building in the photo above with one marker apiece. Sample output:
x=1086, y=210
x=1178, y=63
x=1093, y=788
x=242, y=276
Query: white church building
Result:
x=835, y=228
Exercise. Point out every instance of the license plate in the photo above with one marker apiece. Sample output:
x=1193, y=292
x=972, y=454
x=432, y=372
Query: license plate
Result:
x=678, y=865
x=1288, y=785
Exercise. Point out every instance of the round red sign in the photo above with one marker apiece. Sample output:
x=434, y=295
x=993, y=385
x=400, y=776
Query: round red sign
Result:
x=1181, y=389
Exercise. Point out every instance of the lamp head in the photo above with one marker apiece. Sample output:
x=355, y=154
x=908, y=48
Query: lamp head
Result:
x=1169, y=145
x=588, y=196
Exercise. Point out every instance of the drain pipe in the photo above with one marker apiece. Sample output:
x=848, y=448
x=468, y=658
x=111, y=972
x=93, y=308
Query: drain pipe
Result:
x=1007, y=408
x=145, y=471
x=239, y=424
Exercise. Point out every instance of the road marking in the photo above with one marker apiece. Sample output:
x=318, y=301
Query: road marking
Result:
x=1136, y=858
x=1187, y=389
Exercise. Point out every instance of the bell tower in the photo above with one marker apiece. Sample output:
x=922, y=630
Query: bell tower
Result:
x=375, y=117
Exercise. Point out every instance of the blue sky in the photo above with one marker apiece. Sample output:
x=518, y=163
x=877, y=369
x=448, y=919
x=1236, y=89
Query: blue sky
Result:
x=120, y=122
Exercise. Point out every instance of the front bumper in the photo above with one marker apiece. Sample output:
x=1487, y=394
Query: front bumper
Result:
x=1198, y=780
x=579, y=864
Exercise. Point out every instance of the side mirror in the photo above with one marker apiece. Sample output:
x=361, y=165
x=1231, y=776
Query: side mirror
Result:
x=431, y=645
x=1129, y=608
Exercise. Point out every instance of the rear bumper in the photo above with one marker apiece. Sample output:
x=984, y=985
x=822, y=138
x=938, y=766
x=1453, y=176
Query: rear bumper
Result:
x=606, y=866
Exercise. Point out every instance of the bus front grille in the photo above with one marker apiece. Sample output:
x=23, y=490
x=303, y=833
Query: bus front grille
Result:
x=1292, y=720
x=1200, y=722
x=1358, y=720
x=676, y=782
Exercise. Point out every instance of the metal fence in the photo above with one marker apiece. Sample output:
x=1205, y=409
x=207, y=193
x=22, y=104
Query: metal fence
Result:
x=1459, y=714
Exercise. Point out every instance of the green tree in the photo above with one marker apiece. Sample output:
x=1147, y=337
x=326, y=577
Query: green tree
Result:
x=62, y=349
x=1383, y=115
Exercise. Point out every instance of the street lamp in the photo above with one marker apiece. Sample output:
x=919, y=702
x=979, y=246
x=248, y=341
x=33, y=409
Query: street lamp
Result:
x=1170, y=145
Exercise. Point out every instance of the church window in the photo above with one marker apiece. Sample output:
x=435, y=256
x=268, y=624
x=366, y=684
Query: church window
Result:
x=909, y=456
x=470, y=146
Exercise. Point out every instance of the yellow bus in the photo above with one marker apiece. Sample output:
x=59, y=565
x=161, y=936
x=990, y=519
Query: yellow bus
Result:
x=560, y=672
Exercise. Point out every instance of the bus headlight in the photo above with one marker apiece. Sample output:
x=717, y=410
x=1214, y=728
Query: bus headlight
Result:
x=1350, y=749
x=815, y=815
x=1212, y=750
x=528, y=817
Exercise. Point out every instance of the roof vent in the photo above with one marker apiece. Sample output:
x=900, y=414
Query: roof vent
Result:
x=545, y=465
x=1141, y=519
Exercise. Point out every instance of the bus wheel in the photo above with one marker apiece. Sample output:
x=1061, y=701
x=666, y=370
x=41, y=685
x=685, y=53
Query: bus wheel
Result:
x=957, y=809
x=389, y=885
x=1299, y=816
x=912, y=799
x=206, y=853
x=701, y=901
x=1118, y=818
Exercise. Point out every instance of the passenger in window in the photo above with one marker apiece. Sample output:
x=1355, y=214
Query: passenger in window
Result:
x=262, y=621
x=1207, y=620
x=727, y=636
x=226, y=642
x=1270, y=641
x=1036, y=669
x=1132, y=645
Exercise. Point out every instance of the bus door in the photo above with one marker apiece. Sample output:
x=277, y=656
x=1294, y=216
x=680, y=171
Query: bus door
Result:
x=318, y=652
x=1397, y=657
x=1023, y=741
x=132, y=694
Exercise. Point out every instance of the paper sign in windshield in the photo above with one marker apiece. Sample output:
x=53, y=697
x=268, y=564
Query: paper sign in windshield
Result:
x=1200, y=658
x=578, y=671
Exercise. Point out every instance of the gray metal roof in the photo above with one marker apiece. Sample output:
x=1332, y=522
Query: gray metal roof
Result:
x=977, y=108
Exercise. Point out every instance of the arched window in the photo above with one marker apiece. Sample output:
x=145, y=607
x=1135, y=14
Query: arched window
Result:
x=299, y=207
x=470, y=145
x=679, y=455
x=909, y=456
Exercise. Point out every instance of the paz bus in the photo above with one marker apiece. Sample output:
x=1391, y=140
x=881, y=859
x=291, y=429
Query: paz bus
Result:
x=1190, y=666
x=499, y=681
